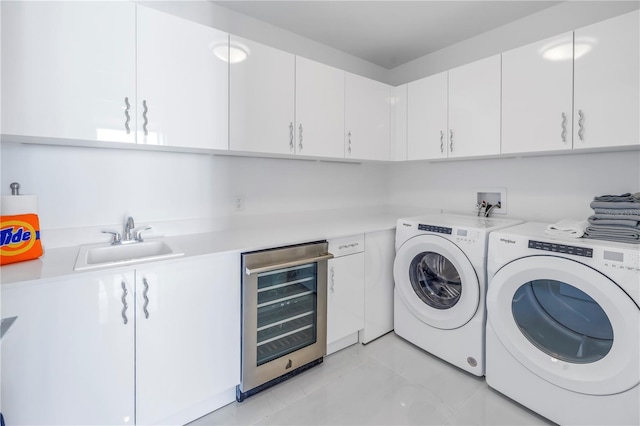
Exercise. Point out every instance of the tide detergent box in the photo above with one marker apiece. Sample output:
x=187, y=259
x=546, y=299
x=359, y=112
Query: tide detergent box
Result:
x=19, y=238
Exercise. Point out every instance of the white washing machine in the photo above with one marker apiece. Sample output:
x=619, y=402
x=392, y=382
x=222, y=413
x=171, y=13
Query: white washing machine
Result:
x=563, y=328
x=440, y=276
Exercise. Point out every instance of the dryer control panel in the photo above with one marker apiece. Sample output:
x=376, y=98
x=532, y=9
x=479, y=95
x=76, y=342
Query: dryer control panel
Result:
x=561, y=248
x=438, y=229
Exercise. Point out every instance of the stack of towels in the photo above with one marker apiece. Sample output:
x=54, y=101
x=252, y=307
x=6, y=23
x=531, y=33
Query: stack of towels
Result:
x=615, y=218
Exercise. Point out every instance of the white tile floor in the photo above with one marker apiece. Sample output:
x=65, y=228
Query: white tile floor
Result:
x=387, y=382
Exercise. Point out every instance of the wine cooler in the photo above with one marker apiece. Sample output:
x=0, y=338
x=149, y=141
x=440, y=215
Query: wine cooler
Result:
x=284, y=314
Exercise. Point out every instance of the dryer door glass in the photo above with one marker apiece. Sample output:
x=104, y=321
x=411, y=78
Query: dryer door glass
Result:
x=562, y=321
x=435, y=280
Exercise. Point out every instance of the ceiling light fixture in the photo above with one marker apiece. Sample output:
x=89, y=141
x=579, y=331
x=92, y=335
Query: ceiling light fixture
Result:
x=231, y=54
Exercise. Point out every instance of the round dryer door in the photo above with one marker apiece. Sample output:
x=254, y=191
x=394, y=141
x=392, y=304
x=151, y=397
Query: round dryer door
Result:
x=436, y=281
x=567, y=323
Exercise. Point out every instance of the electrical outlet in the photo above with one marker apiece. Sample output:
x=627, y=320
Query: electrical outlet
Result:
x=238, y=203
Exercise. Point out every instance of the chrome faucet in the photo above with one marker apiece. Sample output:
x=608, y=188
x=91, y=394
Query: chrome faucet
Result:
x=130, y=234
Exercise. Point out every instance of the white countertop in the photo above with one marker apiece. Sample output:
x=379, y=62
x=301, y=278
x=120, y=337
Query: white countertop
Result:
x=252, y=233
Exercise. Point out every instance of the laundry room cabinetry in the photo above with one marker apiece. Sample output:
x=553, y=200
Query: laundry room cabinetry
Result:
x=112, y=72
x=319, y=109
x=67, y=77
x=474, y=109
x=122, y=347
x=182, y=85
x=367, y=115
x=537, y=96
x=427, y=134
x=606, y=83
x=398, y=139
x=378, y=284
x=262, y=100
x=345, y=293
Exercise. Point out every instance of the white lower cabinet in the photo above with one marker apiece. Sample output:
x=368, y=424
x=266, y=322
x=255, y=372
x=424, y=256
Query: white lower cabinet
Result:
x=187, y=338
x=69, y=356
x=345, y=293
x=159, y=344
x=378, y=284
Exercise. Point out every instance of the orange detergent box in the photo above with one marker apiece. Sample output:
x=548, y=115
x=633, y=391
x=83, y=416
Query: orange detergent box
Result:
x=19, y=238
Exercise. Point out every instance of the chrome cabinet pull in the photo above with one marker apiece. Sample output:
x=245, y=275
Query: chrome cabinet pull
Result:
x=333, y=281
x=291, y=264
x=300, y=136
x=126, y=114
x=564, y=127
x=441, y=141
x=124, y=303
x=450, y=140
x=144, y=116
x=291, y=146
x=146, y=299
x=581, y=125
x=349, y=147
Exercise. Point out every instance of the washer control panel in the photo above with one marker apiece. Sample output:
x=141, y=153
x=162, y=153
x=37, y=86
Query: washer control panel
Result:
x=437, y=229
x=561, y=248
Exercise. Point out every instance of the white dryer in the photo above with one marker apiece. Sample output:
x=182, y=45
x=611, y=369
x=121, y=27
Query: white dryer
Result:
x=440, y=276
x=563, y=328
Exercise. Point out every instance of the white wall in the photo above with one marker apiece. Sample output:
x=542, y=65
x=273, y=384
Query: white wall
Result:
x=84, y=187
x=545, y=188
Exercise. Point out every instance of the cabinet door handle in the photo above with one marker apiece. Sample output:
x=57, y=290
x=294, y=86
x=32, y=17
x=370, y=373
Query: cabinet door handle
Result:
x=300, y=136
x=291, y=136
x=450, y=140
x=124, y=302
x=126, y=114
x=144, y=116
x=581, y=125
x=349, y=139
x=564, y=127
x=441, y=141
x=333, y=281
x=146, y=299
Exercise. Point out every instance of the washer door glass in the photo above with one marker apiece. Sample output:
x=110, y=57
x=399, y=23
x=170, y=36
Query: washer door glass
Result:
x=435, y=280
x=562, y=321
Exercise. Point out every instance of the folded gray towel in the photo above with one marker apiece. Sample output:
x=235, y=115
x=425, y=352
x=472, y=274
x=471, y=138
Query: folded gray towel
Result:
x=614, y=205
x=620, y=212
x=608, y=221
x=622, y=234
x=619, y=198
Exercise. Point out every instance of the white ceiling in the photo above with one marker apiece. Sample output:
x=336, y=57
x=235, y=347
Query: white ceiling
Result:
x=387, y=33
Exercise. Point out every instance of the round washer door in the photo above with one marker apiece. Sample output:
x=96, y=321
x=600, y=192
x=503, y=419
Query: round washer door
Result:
x=436, y=281
x=567, y=323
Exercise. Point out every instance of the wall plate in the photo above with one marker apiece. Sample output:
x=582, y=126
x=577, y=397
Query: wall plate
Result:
x=493, y=196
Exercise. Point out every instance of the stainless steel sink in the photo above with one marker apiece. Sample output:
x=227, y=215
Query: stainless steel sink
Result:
x=102, y=255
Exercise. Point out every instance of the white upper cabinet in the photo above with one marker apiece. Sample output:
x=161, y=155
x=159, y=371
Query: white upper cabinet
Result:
x=68, y=70
x=474, y=108
x=399, y=113
x=261, y=99
x=606, y=82
x=367, y=113
x=537, y=96
x=319, y=109
x=427, y=118
x=182, y=86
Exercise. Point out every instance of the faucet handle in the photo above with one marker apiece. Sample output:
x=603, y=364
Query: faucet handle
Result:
x=138, y=232
x=115, y=239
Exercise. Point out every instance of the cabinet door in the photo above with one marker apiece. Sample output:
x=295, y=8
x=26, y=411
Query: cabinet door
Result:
x=399, y=123
x=474, y=108
x=187, y=337
x=69, y=77
x=427, y=123
x=69, y=356
x=319, y=109
x=537, y=95
x=378, y=291
x=262, y=99
x=182, y=84
x=366, y=118
x=345, y=296
x=606, y=83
